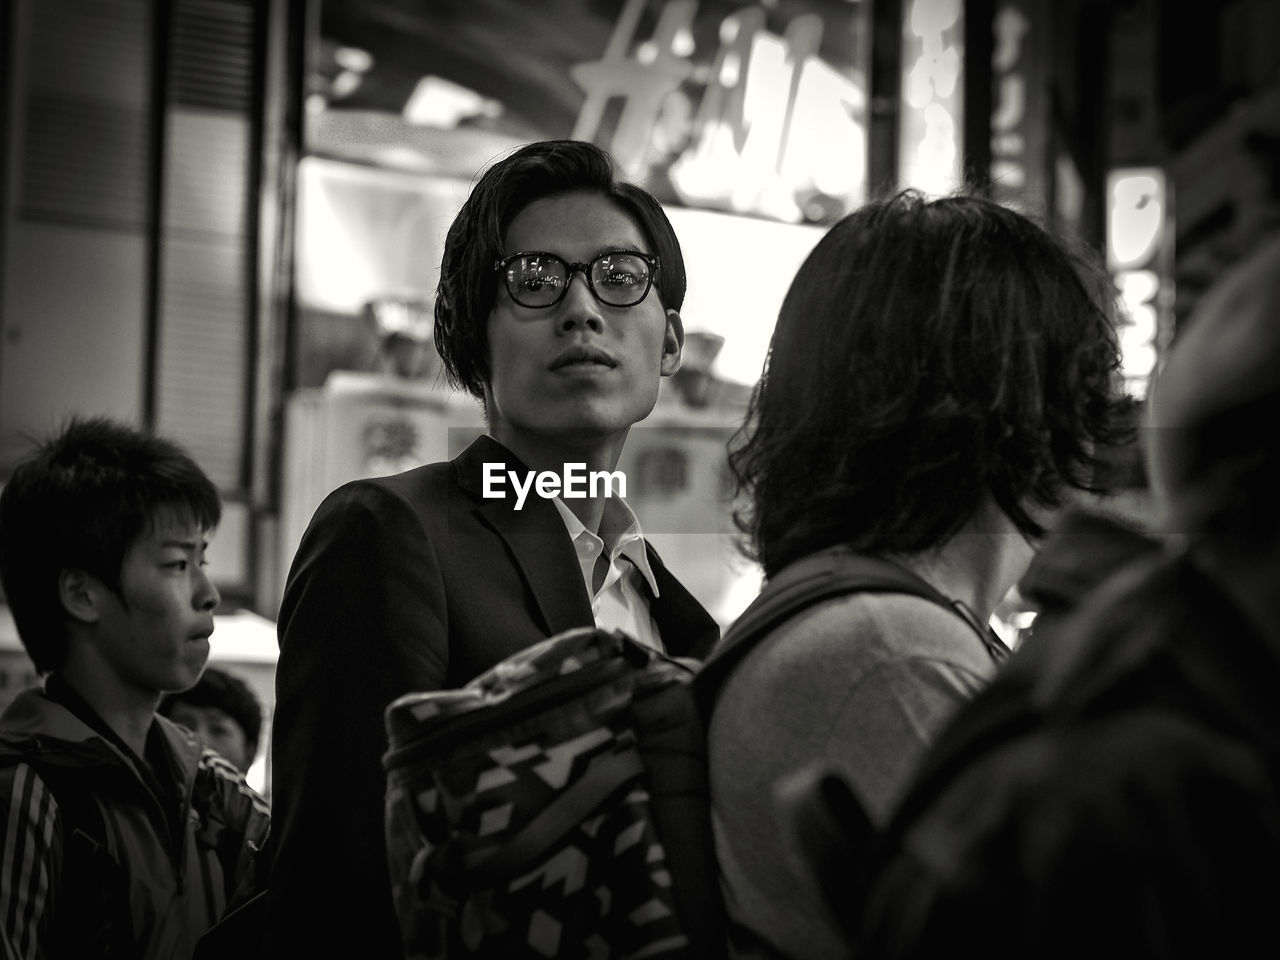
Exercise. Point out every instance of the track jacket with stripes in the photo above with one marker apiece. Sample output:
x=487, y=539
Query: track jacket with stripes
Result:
x=101, y=855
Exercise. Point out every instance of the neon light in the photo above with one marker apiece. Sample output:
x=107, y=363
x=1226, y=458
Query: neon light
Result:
x=1136, y=231
x=932, y=105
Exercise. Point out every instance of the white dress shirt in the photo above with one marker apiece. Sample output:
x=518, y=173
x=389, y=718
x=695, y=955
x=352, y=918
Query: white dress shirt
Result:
x=621, y=602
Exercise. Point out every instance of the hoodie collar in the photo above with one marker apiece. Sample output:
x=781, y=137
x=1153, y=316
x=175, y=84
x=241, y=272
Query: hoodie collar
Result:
x=58, y=713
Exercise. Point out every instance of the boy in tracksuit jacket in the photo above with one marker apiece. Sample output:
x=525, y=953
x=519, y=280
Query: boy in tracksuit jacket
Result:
x=119, y=835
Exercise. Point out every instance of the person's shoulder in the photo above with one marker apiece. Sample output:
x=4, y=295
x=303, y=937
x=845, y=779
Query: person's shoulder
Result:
x=1129, y=725
x=884, y=646
x=193, y=758
x=20, y=776
x=219, y=769
x=33, y=817
x=30, y=785
x=1128, y=776
x=825, y=627
x=14, y=764
x=406, y=484
x=393, y=499
x=221, y=791
x=1069, y=817
x=43, y=730
x=894, y=627
x=1129, y=791
x=845, y=639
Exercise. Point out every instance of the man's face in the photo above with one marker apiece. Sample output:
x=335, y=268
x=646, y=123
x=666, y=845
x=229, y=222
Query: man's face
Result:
x=155, y=635
x=216, y=730
x=536, y=401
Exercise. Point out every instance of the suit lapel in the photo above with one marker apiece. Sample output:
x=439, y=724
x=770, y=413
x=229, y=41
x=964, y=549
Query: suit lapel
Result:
x=544, y=554
x=687, y=629
x=535, y=536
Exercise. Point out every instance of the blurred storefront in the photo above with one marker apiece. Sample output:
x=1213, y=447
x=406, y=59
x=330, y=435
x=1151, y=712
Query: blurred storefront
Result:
x=758, y=125
x=224, y=217
x=748, y=121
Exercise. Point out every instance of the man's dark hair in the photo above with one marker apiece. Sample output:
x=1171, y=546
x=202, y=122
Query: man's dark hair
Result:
x=474, y=243
x=927, y=354
x=226, y=692
x=80, y=502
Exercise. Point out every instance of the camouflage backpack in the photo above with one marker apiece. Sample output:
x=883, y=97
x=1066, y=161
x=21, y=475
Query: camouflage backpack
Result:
x=558, y=805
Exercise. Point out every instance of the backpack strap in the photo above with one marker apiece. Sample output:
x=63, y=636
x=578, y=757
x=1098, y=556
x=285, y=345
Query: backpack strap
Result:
x=832, y=829
x=830, y=573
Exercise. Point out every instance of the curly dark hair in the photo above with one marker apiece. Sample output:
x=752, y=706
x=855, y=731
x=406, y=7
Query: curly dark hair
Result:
x=474, y=243
x=81, y=501
x=929, y=353
x=226, y=692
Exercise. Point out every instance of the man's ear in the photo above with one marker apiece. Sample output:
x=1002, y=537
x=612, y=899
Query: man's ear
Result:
x=672, y=343
x=81, y=595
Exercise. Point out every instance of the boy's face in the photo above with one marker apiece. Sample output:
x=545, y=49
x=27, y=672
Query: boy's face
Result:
x=155, y=635
x=535, y=398
x=216, y=730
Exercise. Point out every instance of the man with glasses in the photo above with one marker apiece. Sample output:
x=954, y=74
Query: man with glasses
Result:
x=558, y=309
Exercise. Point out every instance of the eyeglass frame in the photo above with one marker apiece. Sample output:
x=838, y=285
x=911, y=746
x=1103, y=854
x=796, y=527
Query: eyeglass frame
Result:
x=653, y=261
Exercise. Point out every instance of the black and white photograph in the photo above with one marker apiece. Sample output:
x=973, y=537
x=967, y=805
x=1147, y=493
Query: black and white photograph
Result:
x=639, y=479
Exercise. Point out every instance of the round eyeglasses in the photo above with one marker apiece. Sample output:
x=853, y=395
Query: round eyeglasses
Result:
x=618, y=279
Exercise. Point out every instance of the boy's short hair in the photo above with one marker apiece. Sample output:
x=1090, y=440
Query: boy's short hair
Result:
x=474, y=243
x=226, y=692
x=81, y=502
x=928, y=354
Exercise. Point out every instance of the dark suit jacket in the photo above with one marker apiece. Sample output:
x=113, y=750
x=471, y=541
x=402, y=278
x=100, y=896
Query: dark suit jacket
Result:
x=403, y=583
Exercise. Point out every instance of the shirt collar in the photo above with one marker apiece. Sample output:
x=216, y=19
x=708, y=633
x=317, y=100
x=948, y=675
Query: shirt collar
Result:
x=629, y=543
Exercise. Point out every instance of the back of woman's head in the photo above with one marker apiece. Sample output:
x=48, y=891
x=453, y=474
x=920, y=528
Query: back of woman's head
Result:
x=929, y=354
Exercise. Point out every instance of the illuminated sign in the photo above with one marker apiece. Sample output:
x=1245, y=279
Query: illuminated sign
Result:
x=773, y=130
x=932, y=111
x=1138, y=249
x=1018, y=105
x=753, y=108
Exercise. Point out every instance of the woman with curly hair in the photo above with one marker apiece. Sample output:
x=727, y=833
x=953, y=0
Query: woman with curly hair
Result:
x=941, y=379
